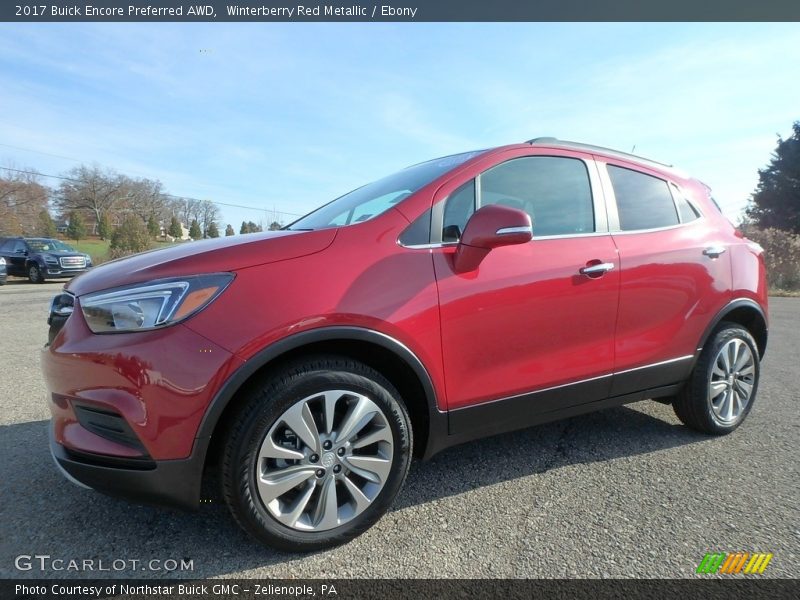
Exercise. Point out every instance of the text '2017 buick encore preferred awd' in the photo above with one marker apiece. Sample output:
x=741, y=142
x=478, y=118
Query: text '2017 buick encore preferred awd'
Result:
x=461, y=297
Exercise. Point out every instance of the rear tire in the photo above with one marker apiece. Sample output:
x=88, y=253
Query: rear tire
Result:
x=339, y=430
x=35, y=274
x=723, y=385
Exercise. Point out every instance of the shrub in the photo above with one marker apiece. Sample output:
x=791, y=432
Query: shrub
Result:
x=131, y=237
x=781, y=254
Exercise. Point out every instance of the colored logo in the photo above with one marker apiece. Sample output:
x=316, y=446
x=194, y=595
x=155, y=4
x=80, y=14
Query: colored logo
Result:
x=734, y=563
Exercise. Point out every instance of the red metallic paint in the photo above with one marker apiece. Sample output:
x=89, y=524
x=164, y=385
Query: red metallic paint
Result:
x=484, y=232
x=524, y=319
x=160, y=381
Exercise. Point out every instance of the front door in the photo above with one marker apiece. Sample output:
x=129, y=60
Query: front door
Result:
x=527, y=320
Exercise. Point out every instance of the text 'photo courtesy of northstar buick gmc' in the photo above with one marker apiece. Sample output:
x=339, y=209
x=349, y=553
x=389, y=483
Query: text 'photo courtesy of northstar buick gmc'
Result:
x=458, y=298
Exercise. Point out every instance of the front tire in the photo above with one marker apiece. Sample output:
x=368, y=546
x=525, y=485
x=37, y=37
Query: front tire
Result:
x=316, y=455
x=723, y=385
x=35, y=274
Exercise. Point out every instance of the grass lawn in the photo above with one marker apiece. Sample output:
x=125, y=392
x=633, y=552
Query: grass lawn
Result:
x=94, y=247
x=98, y=249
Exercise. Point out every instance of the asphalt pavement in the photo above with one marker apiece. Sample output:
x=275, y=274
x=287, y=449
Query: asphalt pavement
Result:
x=627, y=492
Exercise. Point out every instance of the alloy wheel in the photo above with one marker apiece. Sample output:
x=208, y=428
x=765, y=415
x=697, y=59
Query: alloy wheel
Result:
x=731, y=381
x=324, y=460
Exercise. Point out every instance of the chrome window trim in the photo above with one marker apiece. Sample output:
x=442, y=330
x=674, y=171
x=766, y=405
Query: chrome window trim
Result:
x=430, y=246
x=608, y=189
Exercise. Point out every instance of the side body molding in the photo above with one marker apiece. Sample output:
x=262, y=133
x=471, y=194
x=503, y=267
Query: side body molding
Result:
x=437, y=419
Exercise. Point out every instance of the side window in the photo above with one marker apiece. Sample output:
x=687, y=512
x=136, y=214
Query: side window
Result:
x=6, y=245
x=419, y=232
x=457, y=211
x=19, y=246
x=643, y=201
x=686, y=210
x=554, y=191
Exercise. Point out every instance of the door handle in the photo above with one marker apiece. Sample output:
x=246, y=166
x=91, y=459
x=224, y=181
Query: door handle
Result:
x=596, y=270
x=714, y=251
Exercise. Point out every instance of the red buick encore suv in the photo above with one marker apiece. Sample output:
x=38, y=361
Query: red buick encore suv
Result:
x=458, y=298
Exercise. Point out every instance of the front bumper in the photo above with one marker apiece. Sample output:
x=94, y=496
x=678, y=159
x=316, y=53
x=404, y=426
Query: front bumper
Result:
x=168, y=482
x=52, y=271
x=126, y=408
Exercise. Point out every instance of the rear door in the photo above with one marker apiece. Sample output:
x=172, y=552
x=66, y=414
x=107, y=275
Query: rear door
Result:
x=675, y=272
x=16, y=254
x=526, y=320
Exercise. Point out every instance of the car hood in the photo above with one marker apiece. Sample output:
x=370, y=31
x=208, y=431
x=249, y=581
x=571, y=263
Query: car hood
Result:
x=60, y=253
x=207, y=256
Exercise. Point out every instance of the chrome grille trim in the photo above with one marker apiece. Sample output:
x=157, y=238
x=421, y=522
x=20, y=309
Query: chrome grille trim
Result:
x=72, y=262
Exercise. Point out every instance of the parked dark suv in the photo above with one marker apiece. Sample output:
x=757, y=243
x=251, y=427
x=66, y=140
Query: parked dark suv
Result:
x=42, y=258
x=461, y=297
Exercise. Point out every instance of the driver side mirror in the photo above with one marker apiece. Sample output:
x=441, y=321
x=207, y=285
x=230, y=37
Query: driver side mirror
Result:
x=490, y=227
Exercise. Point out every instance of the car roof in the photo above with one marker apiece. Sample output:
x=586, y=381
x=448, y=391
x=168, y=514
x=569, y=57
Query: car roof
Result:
x=552, y=142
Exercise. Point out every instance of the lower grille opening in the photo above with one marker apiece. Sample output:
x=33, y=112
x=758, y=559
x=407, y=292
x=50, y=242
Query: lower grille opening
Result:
x=109, y=425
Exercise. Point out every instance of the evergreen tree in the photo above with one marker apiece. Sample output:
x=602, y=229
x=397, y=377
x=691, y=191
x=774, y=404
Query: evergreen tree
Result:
x=213, y=231
x=776, y=201
x=244, y=228
x=46, y=226
x=104, y=229
x=175, y=229
x=229, y=230
x=132, y=236
x=194, y=231
x=77, y=228
x=274, y=226
x=153, y=228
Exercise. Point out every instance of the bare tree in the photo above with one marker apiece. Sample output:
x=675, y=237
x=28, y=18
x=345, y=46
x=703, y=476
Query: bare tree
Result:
x=22, y=200
x=209, y=213
x=144, y=198
x=91, y=190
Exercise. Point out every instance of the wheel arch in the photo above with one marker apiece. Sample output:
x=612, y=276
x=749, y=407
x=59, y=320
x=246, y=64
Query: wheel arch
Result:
x=746, y=313
x=391, y=358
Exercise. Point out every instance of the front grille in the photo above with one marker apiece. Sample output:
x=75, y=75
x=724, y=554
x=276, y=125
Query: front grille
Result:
x=73, y=262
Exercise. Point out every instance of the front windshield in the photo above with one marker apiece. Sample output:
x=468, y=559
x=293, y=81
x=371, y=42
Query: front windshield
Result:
x=49, y=246
x=379, y=196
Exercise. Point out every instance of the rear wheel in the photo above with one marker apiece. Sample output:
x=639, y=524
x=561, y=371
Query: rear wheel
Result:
x=35, y=274
x=317, y=455
x=723, y=385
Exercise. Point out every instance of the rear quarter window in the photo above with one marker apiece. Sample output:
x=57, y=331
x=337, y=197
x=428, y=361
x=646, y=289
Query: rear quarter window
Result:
x=643, y=201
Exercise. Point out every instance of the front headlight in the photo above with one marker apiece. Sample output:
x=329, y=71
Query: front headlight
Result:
x=151, y=305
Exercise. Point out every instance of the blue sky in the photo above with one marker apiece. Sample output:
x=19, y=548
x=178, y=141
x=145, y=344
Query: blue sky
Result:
x=288, y=116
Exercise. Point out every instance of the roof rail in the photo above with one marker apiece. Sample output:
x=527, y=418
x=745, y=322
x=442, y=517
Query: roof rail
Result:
x=581, y=146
